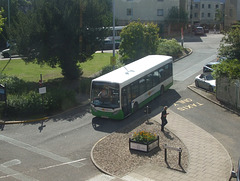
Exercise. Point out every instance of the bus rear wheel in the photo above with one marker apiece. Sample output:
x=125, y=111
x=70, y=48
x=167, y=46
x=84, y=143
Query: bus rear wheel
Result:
x=135, y=107
x=161, y=90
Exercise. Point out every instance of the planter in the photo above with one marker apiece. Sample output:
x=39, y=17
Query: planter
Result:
x=144, y=147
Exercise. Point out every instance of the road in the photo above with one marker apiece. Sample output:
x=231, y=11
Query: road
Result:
x=59, y=149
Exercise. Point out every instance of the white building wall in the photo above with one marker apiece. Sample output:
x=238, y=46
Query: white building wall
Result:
x=144, y=10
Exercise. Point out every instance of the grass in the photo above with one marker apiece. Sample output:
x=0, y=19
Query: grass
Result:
x=31, y=72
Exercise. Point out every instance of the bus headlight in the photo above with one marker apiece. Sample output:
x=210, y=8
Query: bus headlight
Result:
x=115, y=112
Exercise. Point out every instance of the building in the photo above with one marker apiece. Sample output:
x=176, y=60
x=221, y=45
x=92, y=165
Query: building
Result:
x=222, y=13
x=205, y=11
x=232, y=13
x=154, y=11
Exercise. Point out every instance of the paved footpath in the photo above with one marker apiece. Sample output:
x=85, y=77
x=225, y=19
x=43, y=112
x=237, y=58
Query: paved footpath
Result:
x=208, y=159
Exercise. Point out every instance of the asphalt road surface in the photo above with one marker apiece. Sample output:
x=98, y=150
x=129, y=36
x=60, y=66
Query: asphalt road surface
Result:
x=59, y=149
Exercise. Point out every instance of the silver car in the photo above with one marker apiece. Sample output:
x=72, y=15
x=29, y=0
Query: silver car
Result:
x=206, y=82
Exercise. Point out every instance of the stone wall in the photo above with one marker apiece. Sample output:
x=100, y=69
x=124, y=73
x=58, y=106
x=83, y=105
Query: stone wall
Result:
x=228, y=91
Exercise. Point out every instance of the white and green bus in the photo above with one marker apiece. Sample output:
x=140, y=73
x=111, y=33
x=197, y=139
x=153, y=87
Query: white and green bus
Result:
x=121, y=92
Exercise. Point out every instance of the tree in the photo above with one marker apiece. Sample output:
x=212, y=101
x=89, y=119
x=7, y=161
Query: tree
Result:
x=138, y=40
x=2, y=19
x=177, y=17
x=229, y=48
x=60, y=33
x=230, y=44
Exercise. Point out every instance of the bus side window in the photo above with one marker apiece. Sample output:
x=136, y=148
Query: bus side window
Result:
x=142, y=86
x=161, y=74
x=149, y=81
x=155, y=78
x=134, y=89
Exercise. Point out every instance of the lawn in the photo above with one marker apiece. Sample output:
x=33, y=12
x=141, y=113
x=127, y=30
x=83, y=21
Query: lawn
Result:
x=31, y=72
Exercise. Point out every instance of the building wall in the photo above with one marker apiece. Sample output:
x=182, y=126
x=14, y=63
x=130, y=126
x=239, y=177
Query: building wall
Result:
x=145, y=10
x=232, y=10
x=204, y=11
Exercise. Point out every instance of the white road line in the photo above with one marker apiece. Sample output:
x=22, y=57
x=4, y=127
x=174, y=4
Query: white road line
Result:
x=17, y=175
x=11, y=163
x=67, y=163
x=101, y=177
x=39, y=151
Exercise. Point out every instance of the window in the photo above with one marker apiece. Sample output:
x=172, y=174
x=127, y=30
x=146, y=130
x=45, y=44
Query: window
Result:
x=155, y=78
x=217, y=6
x=134, y=89
x=129, y=12
x=209, y=15
x=202, y=15
x=196, y=6
x=142, y=86
x=209, y=6
x=195, y=15
x=149, y=81
x=230, y=12
x=202, y=6
x=160, y=12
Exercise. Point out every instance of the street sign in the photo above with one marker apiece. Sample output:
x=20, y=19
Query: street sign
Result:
x=42, y=90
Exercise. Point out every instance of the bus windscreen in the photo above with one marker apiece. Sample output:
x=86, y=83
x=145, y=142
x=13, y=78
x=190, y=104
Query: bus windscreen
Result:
x=105, y=95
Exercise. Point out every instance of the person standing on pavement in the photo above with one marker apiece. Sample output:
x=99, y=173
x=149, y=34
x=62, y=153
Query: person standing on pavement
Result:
x=164, y=117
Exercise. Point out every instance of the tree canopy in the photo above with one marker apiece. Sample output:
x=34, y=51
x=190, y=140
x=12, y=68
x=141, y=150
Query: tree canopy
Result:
x=177, y=16
x=230, y=44
x=2, y=19
x=138, y=40
x=229, y=48
x=61, y=33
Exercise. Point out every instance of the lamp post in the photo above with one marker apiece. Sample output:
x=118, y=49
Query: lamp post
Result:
x=113, y=28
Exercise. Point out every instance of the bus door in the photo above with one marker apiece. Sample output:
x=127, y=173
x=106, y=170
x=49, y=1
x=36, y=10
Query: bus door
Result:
x=126, y=100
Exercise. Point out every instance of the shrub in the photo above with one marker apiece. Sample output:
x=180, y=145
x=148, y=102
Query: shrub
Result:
x=169, y=47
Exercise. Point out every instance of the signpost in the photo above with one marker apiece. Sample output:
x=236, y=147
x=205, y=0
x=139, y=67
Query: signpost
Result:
x=42, y=90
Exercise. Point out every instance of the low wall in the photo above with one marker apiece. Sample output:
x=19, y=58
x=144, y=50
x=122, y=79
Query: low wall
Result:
x=228, y=91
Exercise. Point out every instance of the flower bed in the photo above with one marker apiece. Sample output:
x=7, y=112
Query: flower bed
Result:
x=143, y=141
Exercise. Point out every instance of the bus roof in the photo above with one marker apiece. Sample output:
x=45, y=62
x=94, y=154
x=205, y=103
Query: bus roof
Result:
x=135, y=69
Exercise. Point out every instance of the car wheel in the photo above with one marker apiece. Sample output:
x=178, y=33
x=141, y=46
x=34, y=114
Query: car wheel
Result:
x=6, y=55
x=196, y=84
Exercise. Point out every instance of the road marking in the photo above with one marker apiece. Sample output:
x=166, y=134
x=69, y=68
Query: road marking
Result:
x=185, y=104
x=67, y=163
x=102, y=177
x=11, y=163
x=40, y=151
x=17, y=175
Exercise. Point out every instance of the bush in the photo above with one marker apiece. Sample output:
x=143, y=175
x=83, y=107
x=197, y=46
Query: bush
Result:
x=34, y=103
x=170, y=48
x=227, y=68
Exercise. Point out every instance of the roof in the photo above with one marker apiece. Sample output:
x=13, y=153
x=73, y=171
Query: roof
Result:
x=136, y=68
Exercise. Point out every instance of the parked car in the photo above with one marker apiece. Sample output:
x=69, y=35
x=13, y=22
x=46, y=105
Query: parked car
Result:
x=236, y=174
x=199, y=30
x=208, y=67
x=11, y=50
x=206, y=82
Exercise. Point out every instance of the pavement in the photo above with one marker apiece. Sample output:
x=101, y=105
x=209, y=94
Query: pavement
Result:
x=208, y=159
